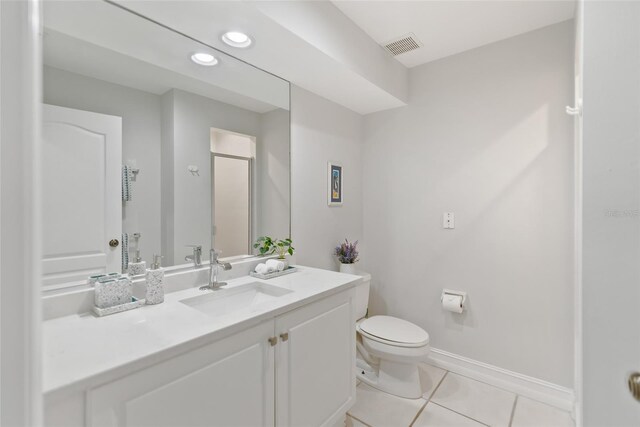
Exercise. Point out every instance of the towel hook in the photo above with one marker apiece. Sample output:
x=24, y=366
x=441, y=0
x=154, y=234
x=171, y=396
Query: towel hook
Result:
x=575, y=111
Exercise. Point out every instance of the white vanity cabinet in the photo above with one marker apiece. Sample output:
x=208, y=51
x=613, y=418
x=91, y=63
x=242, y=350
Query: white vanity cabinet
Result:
x=296, y=369
x=226, y=383
x=315, y=363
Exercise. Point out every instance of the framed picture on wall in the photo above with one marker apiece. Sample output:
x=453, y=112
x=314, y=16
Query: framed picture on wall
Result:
x=336, y=182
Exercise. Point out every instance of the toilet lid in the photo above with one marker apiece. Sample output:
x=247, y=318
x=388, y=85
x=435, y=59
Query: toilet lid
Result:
x=396, y=330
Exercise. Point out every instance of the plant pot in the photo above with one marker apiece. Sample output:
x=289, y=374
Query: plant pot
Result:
x=348, y=268
x=285, y=260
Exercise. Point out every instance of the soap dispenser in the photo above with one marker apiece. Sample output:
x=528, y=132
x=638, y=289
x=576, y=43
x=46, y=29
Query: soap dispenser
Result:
x=155, y=282
x=138, y=266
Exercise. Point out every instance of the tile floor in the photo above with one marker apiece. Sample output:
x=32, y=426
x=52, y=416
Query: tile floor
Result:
x=452, y=400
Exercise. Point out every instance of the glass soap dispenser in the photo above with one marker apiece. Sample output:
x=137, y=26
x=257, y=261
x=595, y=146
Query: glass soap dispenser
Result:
x=155, y=282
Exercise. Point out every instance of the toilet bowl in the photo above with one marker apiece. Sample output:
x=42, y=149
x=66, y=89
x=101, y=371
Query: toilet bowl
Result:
x=389, y=350
x=396, y=347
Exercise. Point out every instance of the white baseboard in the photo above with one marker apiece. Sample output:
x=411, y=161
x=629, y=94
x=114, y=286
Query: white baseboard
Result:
x=542, y=391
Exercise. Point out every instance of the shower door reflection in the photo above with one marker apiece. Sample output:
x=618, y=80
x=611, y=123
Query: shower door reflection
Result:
x=231, y=176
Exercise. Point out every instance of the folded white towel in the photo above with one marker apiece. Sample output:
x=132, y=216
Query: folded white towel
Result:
x=264, y=269
x=277, y=265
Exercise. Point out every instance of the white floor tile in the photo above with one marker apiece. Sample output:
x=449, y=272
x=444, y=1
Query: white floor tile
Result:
x=352, y=422
x=437, y=416
x=379, y=409
x=530, y=413
x=430, y=377
x=482, y=402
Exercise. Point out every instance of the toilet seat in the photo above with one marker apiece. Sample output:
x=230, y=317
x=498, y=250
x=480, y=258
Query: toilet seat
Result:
x=394, y=332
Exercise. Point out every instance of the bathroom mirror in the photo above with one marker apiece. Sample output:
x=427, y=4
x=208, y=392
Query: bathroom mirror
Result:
x=154, y=143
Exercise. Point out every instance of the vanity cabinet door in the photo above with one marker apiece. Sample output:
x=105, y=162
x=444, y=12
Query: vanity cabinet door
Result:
x=315, y=362
x=226, y=383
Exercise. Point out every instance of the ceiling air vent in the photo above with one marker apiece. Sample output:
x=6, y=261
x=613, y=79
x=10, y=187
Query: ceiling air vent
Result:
x=403, y=44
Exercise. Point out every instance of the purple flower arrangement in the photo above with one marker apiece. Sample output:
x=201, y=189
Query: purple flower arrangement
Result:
x=347, y=252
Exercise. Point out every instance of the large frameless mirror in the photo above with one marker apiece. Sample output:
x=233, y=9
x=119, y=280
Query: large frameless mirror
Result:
x=154, y=144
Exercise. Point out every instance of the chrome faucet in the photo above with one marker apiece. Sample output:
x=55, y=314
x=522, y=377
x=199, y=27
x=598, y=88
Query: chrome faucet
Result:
x=214, y=264
x=196, y=257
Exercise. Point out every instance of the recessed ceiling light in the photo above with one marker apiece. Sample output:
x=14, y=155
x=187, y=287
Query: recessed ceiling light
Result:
x=236, y=39
x=205, y=59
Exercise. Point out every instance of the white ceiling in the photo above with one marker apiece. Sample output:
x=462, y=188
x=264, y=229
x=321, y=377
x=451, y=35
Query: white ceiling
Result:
x=328, y=47
x=310, y=52
x=447, y=27
x=96, y=39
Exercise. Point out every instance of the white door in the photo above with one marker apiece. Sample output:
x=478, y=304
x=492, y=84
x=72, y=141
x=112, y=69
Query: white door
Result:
x=224, y=384
x=611, y=213
x=81, y=194
x=315, y=363
x=231, y=204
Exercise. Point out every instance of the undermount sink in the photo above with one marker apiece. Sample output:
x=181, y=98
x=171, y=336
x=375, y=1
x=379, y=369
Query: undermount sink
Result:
x=227, y=300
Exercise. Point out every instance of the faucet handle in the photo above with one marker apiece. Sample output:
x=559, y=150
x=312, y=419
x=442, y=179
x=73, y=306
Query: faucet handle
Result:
x=197, y=251
x=214, y=255
x=197, y=255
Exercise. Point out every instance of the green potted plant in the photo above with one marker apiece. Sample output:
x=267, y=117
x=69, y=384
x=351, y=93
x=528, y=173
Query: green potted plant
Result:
x=267, y=245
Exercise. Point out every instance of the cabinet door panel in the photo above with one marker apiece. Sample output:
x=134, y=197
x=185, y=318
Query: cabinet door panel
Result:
x=227, y=383
x=219, y=402
x=315, y=368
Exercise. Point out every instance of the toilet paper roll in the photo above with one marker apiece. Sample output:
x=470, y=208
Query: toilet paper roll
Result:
x=452, y=303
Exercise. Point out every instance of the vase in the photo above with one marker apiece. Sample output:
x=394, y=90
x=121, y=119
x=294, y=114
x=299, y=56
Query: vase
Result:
x=348, y=268
x=285, y=261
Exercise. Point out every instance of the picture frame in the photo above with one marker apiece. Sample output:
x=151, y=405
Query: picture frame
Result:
x=335, y=184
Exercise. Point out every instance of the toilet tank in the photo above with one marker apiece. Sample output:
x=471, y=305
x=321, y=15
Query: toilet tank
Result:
x=362, y=295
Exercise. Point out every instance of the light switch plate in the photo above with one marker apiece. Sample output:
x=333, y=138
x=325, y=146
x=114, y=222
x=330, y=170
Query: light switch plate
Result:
x=448, y=220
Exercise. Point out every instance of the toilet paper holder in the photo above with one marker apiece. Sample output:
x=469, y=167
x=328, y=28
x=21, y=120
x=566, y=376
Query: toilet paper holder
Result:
x=450, y=292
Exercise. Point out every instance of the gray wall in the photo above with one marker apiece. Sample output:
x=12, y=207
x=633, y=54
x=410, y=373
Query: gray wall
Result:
x=273, y=207
x=188, y=143
x=322, y=131
x=484, y=136
x=166, y=179
x=611, y=202
x=141, y=137
x=193, y=118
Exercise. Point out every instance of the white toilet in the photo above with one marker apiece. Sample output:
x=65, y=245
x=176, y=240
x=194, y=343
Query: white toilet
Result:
x=389, y=349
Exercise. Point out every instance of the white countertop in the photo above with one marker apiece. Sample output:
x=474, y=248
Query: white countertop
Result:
x=83, y=350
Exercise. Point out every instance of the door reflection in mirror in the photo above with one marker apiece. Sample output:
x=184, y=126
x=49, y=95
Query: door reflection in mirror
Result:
x=232, y=156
